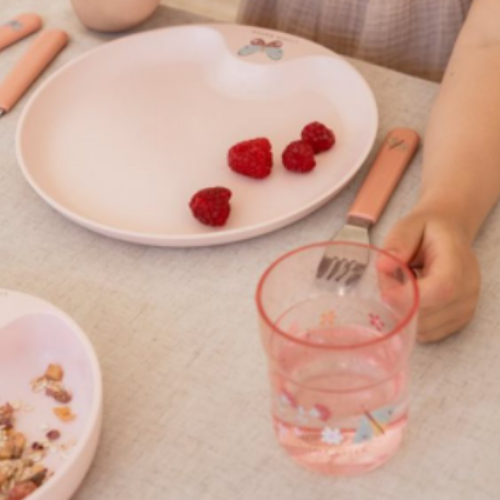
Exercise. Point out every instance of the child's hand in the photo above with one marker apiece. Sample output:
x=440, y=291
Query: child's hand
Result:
x=449, y=276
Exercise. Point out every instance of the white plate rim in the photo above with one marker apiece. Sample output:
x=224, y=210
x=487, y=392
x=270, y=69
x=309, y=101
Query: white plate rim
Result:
x=218, y=236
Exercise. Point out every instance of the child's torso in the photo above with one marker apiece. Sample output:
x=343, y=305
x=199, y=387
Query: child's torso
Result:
x=414, y=36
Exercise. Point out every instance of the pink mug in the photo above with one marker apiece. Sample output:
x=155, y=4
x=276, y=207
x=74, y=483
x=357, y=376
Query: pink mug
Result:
x=113, y=15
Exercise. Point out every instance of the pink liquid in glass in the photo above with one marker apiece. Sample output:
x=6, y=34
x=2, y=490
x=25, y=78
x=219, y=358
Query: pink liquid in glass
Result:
x=340, y=414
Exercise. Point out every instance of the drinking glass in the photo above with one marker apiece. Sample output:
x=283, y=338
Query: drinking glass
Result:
x=338, y=353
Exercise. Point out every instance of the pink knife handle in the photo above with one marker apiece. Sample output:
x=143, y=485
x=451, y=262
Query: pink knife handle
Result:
x=392, y=159
x=18, y=28
x=30, y=66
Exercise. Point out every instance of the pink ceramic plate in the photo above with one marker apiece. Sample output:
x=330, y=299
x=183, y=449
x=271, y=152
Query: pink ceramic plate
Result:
x=34, y=334
x=120, y=139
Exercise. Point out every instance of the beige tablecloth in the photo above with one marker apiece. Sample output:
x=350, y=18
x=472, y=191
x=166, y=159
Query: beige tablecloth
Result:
x=186, y=406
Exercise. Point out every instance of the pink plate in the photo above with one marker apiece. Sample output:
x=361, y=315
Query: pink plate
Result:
x=121, y=138
x=34, y=334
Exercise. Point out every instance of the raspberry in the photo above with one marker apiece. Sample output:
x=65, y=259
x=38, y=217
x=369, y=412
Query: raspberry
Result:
x=211, y=206
x=320, y=137
x=299, y=157
x=252, y=158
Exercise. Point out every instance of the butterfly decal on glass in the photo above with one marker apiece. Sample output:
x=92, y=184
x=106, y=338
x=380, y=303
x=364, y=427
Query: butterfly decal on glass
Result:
x=373, y=424
x=272, y=49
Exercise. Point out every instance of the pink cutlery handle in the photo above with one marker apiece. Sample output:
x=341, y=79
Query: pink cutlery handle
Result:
x=30, y=66
x=392, y=159
x=19, y=28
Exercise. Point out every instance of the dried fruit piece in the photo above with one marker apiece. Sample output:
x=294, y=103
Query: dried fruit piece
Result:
x=253, y=158
x=21, y=490
x=39, y=384
x=58, y=392
x=51, y=381
x=211, y=206
x=6, y=416
x=36, y=474
x=319, y=136
x=18, y=444
x=4, y=477
x=55, y=373
x=21, y=470
x=64, y=413
x=298, y=156
x=53, y=435
x=12, y=446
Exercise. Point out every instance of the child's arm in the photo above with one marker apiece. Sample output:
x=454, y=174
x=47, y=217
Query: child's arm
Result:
x=460, y=180
x=462, y=154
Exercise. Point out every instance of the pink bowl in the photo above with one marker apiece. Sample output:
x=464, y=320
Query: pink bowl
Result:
x=34, y=334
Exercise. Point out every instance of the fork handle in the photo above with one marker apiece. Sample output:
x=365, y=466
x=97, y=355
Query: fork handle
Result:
x=394, y=156
x=19, y=28
x=38, y=56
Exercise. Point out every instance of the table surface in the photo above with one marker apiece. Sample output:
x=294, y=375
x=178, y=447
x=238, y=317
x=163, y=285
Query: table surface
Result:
x=186, y=393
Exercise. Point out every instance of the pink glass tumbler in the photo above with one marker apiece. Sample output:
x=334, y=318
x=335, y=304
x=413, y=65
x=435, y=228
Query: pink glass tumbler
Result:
x=338, y=352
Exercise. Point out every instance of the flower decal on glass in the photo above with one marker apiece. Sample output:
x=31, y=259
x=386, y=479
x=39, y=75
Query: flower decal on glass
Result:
x=282, y=431
x=376, y=321
x=327, y=318
x=320, y=412
x=286, y=399
x=331, y=436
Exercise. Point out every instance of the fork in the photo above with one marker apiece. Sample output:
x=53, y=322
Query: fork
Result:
x=346, y=264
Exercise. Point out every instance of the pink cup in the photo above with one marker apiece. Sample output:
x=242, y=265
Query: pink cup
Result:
x=338, y=354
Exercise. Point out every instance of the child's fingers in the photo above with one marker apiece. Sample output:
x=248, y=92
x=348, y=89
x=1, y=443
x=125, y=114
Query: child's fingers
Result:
x=404, y=240
x=441, y=280
x=402, y=243
x=438, y=324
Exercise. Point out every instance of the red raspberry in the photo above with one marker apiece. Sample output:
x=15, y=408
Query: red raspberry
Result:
x=211, y=206
x=299, y=157
x=320, y=137
x=252, y=158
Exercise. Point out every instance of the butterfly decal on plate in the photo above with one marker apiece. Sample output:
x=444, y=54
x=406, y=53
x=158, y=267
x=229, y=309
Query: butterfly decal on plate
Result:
x=272, y=49
x=373, y=424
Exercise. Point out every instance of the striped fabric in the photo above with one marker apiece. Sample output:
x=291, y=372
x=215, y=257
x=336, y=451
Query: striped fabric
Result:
x=413, y=36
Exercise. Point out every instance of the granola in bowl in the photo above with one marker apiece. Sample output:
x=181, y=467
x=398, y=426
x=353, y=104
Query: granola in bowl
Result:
x=23, y=459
